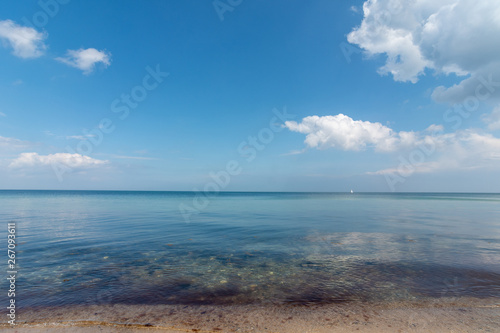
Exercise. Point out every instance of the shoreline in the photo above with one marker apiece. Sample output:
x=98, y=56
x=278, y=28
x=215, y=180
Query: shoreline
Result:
x=451, y=315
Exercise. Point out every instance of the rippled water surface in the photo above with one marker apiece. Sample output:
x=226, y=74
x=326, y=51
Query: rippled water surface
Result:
x=84, y=247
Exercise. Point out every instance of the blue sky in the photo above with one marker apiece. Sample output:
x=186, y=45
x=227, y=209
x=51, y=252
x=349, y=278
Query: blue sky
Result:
x=413, y=107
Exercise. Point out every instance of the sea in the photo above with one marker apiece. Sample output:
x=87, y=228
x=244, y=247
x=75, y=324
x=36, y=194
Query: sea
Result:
x=183, y=248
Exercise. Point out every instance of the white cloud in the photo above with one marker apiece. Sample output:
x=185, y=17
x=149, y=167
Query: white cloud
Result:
x=435, y=128
x=492, y=119
x=76, y=137
x=26, y=42
x=425, y=167
x=342, y=132
x=294, y=152
x=462, y=150
x=466, y=149
x=71, y=160
x=2, y=114
x=86, y=59
x=447, y=36
x=12, y=143
x=354, y=9
x=80, y=137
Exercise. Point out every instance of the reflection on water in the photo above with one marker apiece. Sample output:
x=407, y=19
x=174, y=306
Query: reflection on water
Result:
x=135, y=248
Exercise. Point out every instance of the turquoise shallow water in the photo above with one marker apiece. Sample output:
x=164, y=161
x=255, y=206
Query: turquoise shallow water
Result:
x=104, y=247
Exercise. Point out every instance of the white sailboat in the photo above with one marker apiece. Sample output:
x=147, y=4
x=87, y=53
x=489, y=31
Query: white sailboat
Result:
x=352, y=191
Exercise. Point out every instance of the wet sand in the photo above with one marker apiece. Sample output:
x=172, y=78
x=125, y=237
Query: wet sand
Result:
x=462, y=315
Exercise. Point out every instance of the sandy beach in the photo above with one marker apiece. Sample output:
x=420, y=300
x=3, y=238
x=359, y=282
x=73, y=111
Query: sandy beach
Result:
x=432, y=316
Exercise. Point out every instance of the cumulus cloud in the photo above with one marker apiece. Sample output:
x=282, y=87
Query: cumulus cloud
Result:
x=342, y=132
x=25, y=42
x=447, y=36
x=30, y=160
x=435, y=149
x=86, y=59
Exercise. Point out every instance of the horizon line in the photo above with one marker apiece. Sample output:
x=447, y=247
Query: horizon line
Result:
x=241, y=191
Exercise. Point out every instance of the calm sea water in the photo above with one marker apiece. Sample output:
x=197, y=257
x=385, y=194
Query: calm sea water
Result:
x=100, y=247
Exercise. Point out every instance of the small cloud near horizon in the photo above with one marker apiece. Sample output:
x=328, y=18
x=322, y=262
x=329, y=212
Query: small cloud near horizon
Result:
x=26, y=160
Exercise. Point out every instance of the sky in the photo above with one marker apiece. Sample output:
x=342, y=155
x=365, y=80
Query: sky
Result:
x=238, y=95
